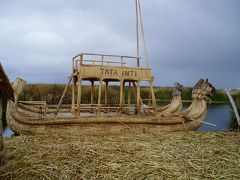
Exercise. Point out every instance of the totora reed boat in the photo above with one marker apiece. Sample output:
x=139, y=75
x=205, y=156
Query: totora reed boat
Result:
x=29, y=117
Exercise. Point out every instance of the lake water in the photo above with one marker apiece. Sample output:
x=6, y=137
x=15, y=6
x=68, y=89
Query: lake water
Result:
x=219, y=114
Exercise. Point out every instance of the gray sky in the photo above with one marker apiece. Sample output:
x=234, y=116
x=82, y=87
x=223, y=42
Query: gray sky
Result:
x=186, y=39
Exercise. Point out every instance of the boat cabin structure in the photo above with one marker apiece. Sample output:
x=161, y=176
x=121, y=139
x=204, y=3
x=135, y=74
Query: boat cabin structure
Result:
x=103, y=69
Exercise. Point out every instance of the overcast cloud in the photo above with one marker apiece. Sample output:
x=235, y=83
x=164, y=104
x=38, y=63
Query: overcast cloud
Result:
x=186, y=39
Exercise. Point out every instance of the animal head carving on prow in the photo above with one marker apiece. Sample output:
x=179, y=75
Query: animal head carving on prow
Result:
x=202, y=90
x=177, y=89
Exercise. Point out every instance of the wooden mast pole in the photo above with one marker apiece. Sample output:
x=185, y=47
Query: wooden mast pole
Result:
x=143, y=36
x=137, y=31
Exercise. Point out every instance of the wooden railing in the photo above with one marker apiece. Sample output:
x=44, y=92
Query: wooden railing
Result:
x=81, y=59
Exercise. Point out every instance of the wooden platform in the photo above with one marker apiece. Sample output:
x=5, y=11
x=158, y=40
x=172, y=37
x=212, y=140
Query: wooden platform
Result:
x=105, y=68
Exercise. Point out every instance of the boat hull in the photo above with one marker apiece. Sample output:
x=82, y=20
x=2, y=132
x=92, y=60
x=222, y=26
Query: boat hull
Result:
x=78, y=125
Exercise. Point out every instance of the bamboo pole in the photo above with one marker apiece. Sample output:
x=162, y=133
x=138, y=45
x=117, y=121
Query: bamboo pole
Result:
x=99, y=96
x=79, y=95
x=233, y=106
x=63, y=95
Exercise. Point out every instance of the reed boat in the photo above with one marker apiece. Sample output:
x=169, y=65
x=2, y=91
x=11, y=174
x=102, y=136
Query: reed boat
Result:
x=24, y=120
x=102, y=117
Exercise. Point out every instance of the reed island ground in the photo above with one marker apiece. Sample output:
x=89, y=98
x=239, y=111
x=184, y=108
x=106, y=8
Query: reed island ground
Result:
x=159, y=155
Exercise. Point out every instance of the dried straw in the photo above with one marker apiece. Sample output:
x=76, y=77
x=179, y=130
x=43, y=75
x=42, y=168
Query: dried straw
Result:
x=184, y=155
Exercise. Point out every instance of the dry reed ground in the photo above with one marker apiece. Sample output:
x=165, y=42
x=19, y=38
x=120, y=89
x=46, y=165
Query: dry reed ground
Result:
x=183, y=155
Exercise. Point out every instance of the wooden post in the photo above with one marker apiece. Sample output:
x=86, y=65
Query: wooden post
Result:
x=129, y=97
x=106, y=110
x=106, y=93
x=73, y=89
x=81, y=59
x=73, y=96
x=92, y=89
x=121, y=61
x=121, y=96
x=79, y=95
x=99, y=96
x=153, y=97
x=149, y=97
x=138, y=98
